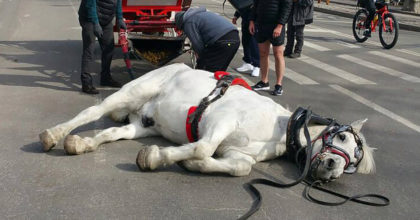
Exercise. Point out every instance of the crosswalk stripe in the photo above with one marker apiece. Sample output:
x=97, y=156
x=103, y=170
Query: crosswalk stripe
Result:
x=298, y=78
x=345, y=35
x=335, y=71
x=315, y=46
x=383, y=69
x=408, y=52
x=342, y=43
x=377, y=107
x=395, y=58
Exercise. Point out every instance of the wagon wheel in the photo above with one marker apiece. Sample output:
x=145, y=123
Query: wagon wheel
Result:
x=193, y=56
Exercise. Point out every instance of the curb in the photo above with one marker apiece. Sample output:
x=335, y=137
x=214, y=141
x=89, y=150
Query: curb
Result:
x=397, y=11
x=348, y=15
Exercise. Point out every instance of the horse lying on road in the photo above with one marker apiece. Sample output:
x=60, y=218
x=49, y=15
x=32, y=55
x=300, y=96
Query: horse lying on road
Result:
x=235, y=132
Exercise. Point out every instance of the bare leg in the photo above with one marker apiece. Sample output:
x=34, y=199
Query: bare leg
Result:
x=264, y=49
x=279, y=62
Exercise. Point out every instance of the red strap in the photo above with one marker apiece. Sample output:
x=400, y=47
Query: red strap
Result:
x=188, y=125
x=241, y=82
x=219, y=74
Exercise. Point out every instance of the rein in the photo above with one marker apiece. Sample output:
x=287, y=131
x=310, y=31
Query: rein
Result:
x=293, y=145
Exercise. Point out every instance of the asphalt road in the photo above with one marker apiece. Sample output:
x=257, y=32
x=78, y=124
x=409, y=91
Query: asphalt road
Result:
x=40, y=48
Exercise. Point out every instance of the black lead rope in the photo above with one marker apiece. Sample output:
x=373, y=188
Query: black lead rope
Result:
x=355, y=198
x=316, y=184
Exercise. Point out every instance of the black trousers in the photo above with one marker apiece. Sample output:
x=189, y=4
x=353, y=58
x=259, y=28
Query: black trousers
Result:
x=106, y=43
x=292, y=33
x=249, y=43
x=217, y=56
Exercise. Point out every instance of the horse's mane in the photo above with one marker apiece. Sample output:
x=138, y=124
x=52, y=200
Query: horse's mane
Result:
x=367, y=164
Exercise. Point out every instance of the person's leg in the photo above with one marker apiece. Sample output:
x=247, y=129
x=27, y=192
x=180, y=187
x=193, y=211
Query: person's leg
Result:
x=246, y=40
x=299, y=38
x=280, y=66
x=107, y=46
x=264, y=49
x=88, y=38
x=370, y=7
x=290, y=38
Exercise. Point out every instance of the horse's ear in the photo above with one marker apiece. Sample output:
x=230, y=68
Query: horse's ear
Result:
x=357, y=125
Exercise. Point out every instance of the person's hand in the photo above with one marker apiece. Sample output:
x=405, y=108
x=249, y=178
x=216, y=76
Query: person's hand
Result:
x=97, y=30
x=121, y=24
x=277, y=30
x=234, y=19
x=251, y=27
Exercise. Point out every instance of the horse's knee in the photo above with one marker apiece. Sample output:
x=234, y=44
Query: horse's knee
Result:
x=203, y=150
x=241, y=168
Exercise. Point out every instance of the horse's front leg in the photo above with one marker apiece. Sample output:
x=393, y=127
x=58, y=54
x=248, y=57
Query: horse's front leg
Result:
x=50, y=137
x=74, y=144
x=152, y=157
x=232, y=162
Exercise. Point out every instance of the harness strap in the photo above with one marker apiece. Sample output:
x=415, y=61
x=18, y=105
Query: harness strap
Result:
x=225, y=80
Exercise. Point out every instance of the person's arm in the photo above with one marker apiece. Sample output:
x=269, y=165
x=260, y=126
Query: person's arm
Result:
x=305, y=3
x=120, y=19
x=92, y=15
x=192, y=32
x=284, y=11
x=253, y=14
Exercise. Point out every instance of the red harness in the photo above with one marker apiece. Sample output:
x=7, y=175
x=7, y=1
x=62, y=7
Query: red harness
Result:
x=217, y=75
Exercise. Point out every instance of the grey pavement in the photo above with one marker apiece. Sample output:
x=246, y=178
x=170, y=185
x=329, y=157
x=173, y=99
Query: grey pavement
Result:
x=347, y=8
x=40, y=49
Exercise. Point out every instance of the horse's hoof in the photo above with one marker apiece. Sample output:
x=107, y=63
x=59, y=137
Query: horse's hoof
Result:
x=74, y=145
x=47, y=139
x=148, y=158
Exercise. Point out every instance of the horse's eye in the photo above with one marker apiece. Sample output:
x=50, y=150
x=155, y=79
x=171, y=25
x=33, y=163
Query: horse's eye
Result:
x=342, y=137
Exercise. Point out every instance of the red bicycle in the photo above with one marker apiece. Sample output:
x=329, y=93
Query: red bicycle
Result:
x=388, y=25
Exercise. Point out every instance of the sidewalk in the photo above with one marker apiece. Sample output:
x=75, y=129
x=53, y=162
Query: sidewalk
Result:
x=347, y=8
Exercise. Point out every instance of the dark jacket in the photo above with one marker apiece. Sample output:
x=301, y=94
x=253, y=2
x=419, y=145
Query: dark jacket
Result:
x=303, y=12
x=271, y=11
x=204, y=28
x=100, y=11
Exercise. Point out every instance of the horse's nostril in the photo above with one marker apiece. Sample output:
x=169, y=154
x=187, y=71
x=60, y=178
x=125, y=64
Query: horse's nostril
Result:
x=330, y=163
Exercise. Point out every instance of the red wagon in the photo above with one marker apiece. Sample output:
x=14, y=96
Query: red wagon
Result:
x=151, y=31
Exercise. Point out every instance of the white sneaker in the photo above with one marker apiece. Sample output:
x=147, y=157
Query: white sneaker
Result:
x=245, y=67
x=255, y=72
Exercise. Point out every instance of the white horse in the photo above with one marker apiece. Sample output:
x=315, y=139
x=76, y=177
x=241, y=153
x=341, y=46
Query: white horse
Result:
x=235, y=132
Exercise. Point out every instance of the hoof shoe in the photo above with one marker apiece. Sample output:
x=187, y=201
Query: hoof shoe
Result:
x=47, y=139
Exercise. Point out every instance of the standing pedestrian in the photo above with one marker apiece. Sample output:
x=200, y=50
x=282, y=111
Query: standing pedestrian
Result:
x=302, y=14
x=251, y=56
x=267, y=22
x=214, y=39
x=95, y=17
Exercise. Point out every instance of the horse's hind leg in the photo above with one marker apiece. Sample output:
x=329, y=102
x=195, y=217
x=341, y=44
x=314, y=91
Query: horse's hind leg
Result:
x=50, y=137
x=233, y=163
x=74, y=144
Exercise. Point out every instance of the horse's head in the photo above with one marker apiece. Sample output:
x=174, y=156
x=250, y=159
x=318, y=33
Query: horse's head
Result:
x=342, y=149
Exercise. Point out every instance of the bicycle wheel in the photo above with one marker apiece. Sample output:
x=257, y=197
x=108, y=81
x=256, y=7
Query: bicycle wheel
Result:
x=388, y=36
x=359, y=27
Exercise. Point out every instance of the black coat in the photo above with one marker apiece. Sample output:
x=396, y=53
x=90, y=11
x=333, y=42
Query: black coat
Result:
x=271, y=11
x=303, y=12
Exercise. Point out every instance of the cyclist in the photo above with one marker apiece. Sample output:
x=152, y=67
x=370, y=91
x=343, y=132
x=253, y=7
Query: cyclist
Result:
x=369, y=5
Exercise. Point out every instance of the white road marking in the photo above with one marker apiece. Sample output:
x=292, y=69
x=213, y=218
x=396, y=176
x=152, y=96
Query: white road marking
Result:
x=315, y=46
x=345, y=35
x=377, y=107
x=335, y=71
x=290, y=74
x=381, y=68
x=316, y=30
x=408, y=52
x=395, y=58
x=349, y=45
